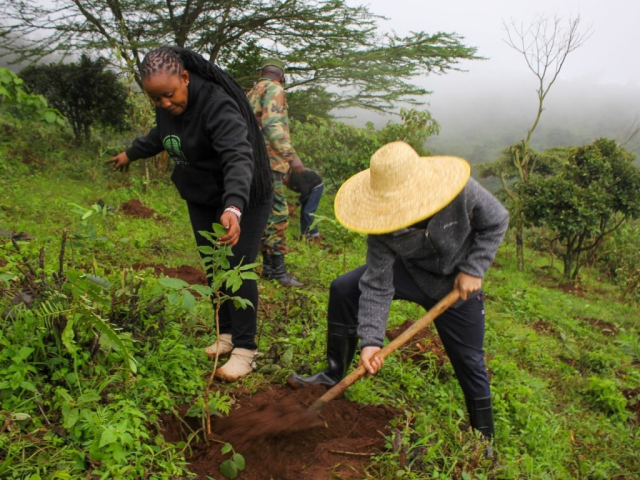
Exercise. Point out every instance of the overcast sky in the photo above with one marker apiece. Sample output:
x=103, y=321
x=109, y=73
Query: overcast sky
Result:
x=610, y=55
x=605, y=65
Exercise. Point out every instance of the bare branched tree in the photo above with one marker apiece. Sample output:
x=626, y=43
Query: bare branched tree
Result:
x=629, y=137
x=545, y=45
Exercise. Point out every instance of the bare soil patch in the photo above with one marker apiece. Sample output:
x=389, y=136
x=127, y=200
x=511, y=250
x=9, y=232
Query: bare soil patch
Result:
x=189, y=274
x=338, y=446
x=607, y=329
x=572, y=289
x=135, y=208
x=544, y=327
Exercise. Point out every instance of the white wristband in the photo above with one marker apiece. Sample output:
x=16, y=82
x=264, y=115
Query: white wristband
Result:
x=235, y=210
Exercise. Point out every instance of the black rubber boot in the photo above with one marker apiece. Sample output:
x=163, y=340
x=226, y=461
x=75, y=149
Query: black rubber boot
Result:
x=481, y=415
x=279, y=272
x=266, y=266
x=481, y=418
x=342, y=341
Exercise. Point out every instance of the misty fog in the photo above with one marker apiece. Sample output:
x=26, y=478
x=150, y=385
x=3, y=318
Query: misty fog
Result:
x=480, y=117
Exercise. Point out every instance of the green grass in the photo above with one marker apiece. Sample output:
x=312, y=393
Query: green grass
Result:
x=558, y=378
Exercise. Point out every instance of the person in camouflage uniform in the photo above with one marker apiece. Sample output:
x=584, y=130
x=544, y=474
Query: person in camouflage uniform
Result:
x=267, y=98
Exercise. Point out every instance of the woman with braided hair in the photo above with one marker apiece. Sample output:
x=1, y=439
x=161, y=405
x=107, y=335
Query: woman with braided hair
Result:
x=205, y=123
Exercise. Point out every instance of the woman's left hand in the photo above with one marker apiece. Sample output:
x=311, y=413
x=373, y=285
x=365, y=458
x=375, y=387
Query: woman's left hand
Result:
x=229, y=220
x=467, y=284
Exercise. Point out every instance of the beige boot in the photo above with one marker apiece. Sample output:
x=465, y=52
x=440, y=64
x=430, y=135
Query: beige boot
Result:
x=222, y=345
x=239, y=365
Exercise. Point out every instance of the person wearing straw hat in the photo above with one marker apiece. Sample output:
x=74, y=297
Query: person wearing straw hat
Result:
x=431, y=229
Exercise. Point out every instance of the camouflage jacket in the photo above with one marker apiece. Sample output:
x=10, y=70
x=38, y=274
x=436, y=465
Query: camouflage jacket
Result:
x=267, y=98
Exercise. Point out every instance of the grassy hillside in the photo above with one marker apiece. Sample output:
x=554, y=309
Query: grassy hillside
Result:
x=564, y=363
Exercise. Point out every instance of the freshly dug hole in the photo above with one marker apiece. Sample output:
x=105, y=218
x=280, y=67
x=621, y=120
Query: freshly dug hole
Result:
x=341, y=446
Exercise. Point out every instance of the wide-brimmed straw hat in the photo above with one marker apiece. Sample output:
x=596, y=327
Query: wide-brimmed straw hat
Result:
x=399, y=189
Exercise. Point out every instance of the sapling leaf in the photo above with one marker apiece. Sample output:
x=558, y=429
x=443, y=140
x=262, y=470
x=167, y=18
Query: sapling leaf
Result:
x=173, y=298
x=207, y=250
x=202, y=290
x=226, y=448
x=188, y=300
x=174, y=283
x=240, y=302
x=218, y=230
x=229, y=469
x=208, y=236
x=238, y=460
x=248, y=266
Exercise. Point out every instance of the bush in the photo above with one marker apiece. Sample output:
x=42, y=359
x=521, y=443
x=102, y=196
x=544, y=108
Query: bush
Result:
x=604, y=395
x=85, y=92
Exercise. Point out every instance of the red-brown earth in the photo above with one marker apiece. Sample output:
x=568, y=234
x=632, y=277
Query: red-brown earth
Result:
x=135, y=208
x=339, y=446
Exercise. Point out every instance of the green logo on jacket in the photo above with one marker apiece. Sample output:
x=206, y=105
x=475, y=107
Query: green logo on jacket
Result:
x=172, y=145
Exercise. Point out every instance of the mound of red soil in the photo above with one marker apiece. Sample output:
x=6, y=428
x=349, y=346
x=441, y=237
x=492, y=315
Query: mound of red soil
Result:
x=572, y=289
x=189, y=274
x=294, y=444
x=135, y=208
x=543, y=327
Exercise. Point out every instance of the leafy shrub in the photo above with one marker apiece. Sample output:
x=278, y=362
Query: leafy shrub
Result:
x=338, y=150
x=604, y=395
x=86, y=92
x=14, y=93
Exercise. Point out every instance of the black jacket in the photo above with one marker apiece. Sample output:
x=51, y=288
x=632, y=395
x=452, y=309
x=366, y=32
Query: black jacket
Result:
x=208, y=143
x=303, y=183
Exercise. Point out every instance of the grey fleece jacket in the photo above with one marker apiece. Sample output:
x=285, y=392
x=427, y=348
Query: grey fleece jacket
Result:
x=462, y=237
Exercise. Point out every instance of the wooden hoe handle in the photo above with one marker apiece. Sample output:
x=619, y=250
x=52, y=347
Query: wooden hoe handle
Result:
x=391, y=347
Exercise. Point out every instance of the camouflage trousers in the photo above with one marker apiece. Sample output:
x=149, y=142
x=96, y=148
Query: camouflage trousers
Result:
x=274, y=238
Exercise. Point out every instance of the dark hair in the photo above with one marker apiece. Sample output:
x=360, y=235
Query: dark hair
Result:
x=174, y=60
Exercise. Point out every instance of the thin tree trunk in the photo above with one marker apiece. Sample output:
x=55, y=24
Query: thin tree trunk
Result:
x=519, y=227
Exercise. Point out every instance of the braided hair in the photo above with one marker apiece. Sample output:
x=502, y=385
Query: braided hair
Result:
x=174, y=60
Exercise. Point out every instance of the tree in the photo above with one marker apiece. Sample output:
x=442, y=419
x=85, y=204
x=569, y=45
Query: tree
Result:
x=545, y=46
x=591, y=194
x=325, y=43
x=85, y=92
x=338, y=150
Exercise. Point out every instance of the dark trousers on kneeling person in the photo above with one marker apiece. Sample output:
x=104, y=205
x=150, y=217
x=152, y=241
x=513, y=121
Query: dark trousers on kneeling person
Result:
x=460, y=328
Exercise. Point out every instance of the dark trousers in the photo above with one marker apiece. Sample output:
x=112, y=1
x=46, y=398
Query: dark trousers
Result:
x=240, y=323
x=307, y=209
x=461, y=329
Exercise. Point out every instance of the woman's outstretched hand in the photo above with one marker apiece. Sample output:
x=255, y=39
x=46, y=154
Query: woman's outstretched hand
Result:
x=120, y=161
